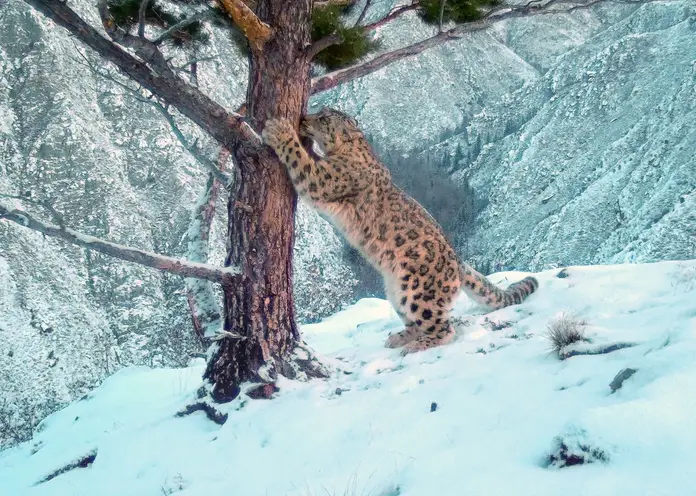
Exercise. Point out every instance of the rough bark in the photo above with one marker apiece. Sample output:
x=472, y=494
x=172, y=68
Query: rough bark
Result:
x=262, y=338
x=261, y=220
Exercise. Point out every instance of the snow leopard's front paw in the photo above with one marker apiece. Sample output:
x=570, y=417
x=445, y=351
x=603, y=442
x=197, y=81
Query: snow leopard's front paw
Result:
x=398, y=339
x=278, y=132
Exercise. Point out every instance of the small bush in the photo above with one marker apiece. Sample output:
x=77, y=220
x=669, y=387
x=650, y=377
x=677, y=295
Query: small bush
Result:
x=565, y=330
x=684, y=277
x=570, y=453
x=454, y=10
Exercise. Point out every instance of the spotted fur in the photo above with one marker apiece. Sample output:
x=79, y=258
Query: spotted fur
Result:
x=422, y=273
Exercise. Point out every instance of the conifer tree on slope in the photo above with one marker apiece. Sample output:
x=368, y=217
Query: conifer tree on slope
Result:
x=285, y=40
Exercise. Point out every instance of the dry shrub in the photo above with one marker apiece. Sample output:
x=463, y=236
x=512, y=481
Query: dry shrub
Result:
x=565, y=330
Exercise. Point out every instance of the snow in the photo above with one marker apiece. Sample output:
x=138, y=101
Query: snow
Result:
x=503, y=403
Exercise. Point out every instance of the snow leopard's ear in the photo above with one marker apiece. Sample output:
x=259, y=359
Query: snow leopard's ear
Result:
x=350, y=131
x=348, y=134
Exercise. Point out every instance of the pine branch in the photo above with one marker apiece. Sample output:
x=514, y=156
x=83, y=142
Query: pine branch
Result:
x=169, y=32
x=322, y=44
x=363, y=13
x=184, y=268
x=228, y=128
x=144, y=48
x=533, y=8
x=255, y=30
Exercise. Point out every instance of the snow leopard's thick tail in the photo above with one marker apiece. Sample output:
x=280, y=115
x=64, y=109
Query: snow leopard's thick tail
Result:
x=484, y=292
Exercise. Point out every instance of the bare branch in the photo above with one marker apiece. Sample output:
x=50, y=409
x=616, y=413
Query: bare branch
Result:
x=143, y=47
x=165, y=35
x=192, y=148
x=184, y=268
x=333, y=79
x=340, y=3
x=141, y=17
x=176, y=130
x=363, y=13
x=442, y=14
x=43, y=203
x=255, y=30
x=228, y=128
x=195, y=61
x=323, y=44
x=395, y=13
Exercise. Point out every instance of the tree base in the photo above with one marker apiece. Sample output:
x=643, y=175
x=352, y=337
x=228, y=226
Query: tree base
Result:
x=301, y=364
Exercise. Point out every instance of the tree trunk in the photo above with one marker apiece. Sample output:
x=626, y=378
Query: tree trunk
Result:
x=261, y=216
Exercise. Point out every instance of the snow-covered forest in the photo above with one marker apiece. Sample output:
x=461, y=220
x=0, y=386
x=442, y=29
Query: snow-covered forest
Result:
x=560, y=145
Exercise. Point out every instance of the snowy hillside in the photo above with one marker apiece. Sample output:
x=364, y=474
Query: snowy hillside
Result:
x=494, y=413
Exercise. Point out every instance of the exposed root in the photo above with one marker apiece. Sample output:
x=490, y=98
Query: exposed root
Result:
x=82, y=462
x=303, y=364
x=213, y=414
x=601, y=350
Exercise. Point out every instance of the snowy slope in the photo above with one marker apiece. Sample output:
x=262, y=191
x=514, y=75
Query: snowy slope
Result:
x=504, y=404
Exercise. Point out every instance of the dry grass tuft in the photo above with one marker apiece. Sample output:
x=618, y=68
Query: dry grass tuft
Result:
x=565, y=330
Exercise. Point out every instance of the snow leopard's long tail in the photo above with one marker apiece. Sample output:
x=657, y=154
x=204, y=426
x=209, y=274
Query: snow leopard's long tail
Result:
x=484, y=292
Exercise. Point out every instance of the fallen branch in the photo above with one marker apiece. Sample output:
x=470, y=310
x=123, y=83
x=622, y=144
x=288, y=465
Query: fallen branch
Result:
x=333, y=79
x=220, y=275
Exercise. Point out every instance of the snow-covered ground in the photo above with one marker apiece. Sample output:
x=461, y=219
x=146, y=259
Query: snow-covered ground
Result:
x=503, y=405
